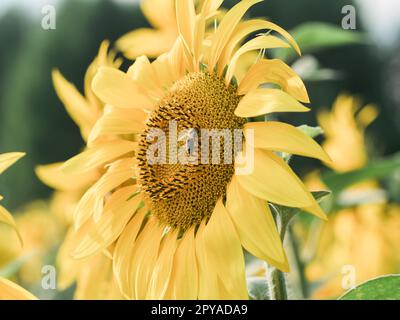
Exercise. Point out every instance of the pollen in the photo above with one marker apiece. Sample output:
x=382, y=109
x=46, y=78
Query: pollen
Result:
x=184, y=194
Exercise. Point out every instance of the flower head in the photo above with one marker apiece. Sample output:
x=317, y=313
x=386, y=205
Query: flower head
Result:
x=174, y=214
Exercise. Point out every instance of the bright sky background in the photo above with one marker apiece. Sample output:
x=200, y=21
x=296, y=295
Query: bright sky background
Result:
x=383, y=16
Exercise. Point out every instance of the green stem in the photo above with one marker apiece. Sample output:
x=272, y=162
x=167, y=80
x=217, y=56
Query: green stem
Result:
x=276, y=278
x=299, y=265
x=276, y=284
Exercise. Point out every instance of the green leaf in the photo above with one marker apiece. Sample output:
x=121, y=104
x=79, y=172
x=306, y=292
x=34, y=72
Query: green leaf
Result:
x=337, y=182
x=312, y=132
x=309, y=69
x=382, y=288
x=314, y=36
x=258, y=288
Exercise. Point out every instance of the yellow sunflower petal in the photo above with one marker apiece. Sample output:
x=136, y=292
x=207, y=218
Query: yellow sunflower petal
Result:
x=114, y=87
x=162, y=271
x=97, y=156
x=146, y=42
x=75, y=104
x=256, y=226
x=54, y=177
x=8, y=159
x=144, y=258
x=273, y=180
x=7, y=218
x=91, y=204
x=265, y=100
x=260, y=42
x=185, y=271
x=244, y=29
x=208, y=280
x=279, y=136
x=117, y=121
x=186, y=20
x=210, y=6
x=117, y=212
x=164, y=14
x=178, y=60
x=277, y=72
x=124, y=250
x=67, y=267
x=163, y=71
x=11, y=291
x=226, y=29
x=225, y=252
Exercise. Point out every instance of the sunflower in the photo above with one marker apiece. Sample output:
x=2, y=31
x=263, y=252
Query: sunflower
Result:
x=8, y=289
x=177, y=230
x=92, y=275
x=41, y=231
x=364, y=232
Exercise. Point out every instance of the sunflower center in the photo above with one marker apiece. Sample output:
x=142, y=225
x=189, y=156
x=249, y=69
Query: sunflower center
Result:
x=184, y=192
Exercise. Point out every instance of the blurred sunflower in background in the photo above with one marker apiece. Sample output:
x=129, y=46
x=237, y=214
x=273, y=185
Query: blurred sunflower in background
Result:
x=152, y=42
x=93, y=276
x=177, y=231
x=8, y=289
x=359, y=240
x=41, y=231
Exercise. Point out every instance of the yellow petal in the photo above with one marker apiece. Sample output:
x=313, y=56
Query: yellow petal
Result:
x=256, y=226
x=91, y=204
x=54, y=177
x=162, y=271
x=316, y=210
x=279, y=136
x=11, y=291
x=116, y=121
x=7, y=218
x=75, y=104
x=277, y=72
x=147, y=42
x=265, y=100
x=209, y=6
x=178, y=60
x=274, y=181
x=226, y=29
x=114, y=87
x=185, y=271
x=225, y=252
x=67, y=267
x=144, y=258
x=118, y=210
x=97, y=156
x=163, y=71
x=260, y=42
x=144, y=74
x=186, y=18
x=124, y=250
x=8, y=159
x=246, y=28
x=243, y=30
x=208, y=280
x=160, y=13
